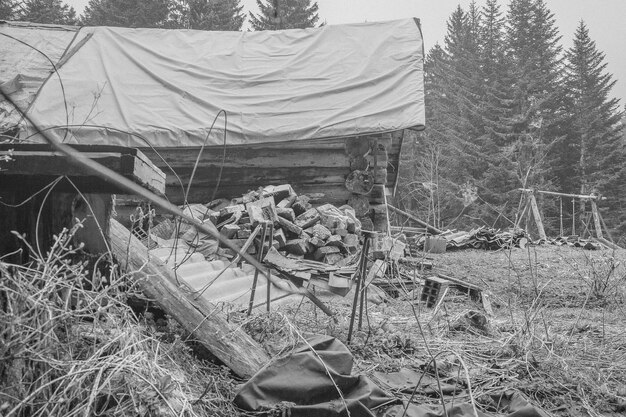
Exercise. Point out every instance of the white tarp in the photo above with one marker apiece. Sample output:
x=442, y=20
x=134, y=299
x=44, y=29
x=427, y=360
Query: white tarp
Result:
x=23, y=67
x=169, y=85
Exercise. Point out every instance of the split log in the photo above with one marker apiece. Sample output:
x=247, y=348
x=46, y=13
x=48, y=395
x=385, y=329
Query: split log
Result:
x=228, y=343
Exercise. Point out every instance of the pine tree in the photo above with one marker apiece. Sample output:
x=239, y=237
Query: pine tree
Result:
x=498, y=183
x=47, y=11
x=215, y=14
x=126, y=13
x=8, y=9
x=284, y=14
x=596, y=146
x=538, y=118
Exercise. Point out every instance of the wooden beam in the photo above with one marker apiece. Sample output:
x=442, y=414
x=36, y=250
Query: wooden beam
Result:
x=431, y=229
x=39, y=161
x=581, y=196
x=204, y=320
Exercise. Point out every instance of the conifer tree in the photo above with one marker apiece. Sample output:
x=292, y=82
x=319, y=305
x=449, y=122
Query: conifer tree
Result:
x=223, y=15
x=126, y=13
x=284, y=14
x=47, y=11
x=596, y=151
x=538, y=117
x=8, y=9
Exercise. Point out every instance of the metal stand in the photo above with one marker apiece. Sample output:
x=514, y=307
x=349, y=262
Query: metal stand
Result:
x=264, y=229
x=360, y=289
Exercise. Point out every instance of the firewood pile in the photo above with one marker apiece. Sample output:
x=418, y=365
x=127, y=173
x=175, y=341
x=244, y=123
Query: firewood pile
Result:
x=327, y=234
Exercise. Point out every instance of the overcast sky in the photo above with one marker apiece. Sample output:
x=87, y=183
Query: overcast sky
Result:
x=604, y=18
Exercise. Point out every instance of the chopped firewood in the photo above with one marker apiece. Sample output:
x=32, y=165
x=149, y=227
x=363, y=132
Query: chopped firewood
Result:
x=319, y=231
x=320, y=253
x=279, y=237
x=352, y=242
x=316, y=241
x=308, y=218
x=288, y=226
x=256, y=215
x=287, y=202
x=282, y=192
x=301, y=204
x=214, y=216
x=267, y=207
x=297, y=246
x=335, y=240
x=244, y=233
x=332, y=258
x=332, y=218
x=230, y=210
x=286, y=213
x=229, y=231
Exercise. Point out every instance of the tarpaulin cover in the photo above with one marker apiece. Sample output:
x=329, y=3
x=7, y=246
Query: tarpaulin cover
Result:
x=301, y=385
x=169, y=85
x=304, y=380
x=24, y=69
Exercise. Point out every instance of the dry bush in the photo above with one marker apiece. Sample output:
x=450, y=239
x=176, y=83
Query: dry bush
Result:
x=70, y=346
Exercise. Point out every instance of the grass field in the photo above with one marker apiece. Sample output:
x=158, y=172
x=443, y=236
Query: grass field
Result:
x=71, y=346
x=557, y=333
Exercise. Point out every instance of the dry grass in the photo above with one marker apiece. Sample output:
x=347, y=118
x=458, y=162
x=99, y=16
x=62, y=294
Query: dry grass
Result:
x=72, y=347
x=557, y=333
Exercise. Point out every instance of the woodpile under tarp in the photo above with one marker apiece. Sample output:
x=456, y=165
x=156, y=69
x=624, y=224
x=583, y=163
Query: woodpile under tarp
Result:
x=323, y=239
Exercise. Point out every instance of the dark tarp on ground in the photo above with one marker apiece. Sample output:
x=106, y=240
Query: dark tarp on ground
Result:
x=302, y=378
x=300, y=382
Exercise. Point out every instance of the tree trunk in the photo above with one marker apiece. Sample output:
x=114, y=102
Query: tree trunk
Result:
x=228, y=343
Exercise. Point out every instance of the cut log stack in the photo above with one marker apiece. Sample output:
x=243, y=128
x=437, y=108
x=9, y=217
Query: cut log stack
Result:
x=367, y=179
x=325, y=233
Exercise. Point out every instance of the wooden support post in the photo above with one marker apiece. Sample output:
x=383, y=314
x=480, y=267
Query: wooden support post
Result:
x=596, y=219
x=537, y=215
x=228, y=343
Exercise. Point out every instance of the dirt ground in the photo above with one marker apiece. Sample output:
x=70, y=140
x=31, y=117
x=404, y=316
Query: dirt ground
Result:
x=557, y=331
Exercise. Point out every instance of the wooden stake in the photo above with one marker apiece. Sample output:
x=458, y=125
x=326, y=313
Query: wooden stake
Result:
x=596, y=219
x=537, y=215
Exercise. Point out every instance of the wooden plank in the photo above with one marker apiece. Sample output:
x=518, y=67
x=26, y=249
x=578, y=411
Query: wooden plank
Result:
x=228, y=343
x=428, y=227
x=39, y=162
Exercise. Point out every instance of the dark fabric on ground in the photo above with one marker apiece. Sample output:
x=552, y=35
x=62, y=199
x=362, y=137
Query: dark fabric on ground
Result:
x=510, y=402
x=301, y=384
x=302, y=379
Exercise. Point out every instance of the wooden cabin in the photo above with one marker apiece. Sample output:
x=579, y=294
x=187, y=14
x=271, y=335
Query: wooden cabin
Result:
x=228, y=112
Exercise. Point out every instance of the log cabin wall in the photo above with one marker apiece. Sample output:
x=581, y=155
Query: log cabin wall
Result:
x=310, y=166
